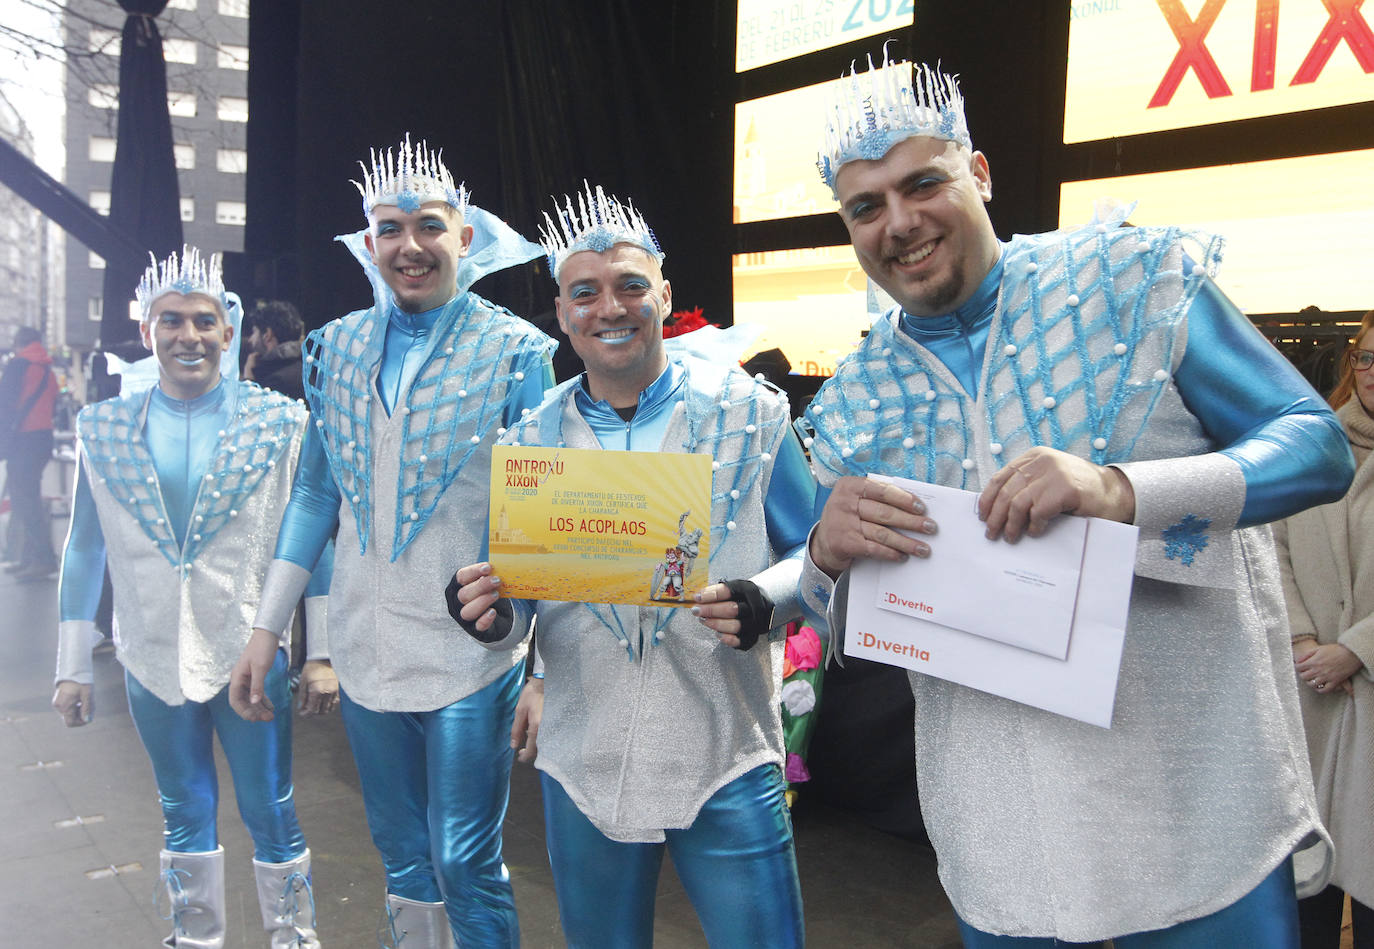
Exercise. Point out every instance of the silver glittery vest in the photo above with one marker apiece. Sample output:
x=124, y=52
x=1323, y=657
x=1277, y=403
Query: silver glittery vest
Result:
x=416, y=483
x=183, y=613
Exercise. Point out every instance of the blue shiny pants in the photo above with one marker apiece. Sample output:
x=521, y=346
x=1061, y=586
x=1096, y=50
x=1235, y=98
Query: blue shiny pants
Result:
x=736, y=862
x=1264, y=918
x=435, y=786
x=178, y=739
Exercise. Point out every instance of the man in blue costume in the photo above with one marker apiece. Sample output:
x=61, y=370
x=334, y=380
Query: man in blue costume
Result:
x=408, y=397
x=1096, y=371
x=193, y=473
x=680, y=747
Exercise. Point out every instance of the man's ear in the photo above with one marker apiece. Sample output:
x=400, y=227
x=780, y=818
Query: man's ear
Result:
x=465, y=240
x=978, y=164
x=558, y=312
x=667, y=300
x=367, y=242
x=145, y=333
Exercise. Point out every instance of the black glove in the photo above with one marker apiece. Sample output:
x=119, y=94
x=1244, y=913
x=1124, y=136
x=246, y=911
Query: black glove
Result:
x=755, y=611
x=505, y=616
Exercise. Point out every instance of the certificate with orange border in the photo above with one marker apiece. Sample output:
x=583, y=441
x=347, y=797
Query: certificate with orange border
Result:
x=631, y=527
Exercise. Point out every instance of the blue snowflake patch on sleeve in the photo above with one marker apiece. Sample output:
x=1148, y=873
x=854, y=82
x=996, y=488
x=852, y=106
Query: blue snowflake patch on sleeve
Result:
x=1184, y=540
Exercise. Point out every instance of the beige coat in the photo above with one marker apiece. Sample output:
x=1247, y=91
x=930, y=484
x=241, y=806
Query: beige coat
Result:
x=1327, y=557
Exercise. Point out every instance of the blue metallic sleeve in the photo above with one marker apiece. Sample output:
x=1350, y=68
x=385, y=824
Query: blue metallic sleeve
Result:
x=313, y=511
x=790, y=507
x=323, y=573
x=83, y=556
x=1251, y=401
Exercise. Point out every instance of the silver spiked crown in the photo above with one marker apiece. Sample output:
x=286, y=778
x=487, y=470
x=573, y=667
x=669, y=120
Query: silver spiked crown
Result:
x=185, y=274
x=409, y=177
x=873, y=110
x=597, y=222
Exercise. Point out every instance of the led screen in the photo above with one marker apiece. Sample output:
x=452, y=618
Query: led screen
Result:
x=1149, y=65
x=813, y=303
x=1297, y=229
x=776, y=140
x=769, y=31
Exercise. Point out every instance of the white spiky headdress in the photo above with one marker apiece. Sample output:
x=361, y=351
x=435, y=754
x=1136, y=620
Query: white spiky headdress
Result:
x=408, y=178
x=189, y=273
x=876, y=109
x=598, y=222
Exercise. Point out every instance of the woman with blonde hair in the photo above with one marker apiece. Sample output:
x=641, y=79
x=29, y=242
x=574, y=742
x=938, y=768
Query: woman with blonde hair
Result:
x=1327, y=557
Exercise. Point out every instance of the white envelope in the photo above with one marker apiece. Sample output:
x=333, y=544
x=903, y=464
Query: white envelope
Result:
x=1024, y=592
x=1082, y=685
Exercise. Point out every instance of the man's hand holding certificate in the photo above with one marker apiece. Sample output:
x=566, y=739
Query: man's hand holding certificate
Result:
x=1040, y=621
x=600, y=526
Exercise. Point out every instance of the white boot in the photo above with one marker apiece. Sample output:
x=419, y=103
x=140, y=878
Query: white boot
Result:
x=195, y=885
x=287, y=902
x=416, y=925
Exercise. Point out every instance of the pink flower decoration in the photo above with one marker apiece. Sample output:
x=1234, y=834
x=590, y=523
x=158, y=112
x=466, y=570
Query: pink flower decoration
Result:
x=804, y=649
x=796, y=769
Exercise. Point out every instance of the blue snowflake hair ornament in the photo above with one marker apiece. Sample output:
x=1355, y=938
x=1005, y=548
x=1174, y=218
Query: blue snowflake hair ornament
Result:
x=598, y=222
x=186, y=274
x=409, y=177
x=873, y=110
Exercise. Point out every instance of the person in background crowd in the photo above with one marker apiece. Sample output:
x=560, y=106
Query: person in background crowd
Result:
x=1327, y=557
x=274, y=332
x=28, y=392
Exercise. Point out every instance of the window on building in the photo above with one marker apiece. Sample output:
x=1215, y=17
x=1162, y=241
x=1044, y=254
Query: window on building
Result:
x=179, y=51
x=233, y=161
x=185, y=156
x=232, y=57
x=93, y=308
x=233, y=109
x=105, y=41
x=181, y=103
x=100, y=201
x=188, y=210
x=231, y=212
x=234, y=8
x=101, y=149
x=103, y=95
x=95, y=261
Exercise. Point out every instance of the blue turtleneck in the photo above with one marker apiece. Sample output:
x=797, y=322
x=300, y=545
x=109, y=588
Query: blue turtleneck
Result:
x=404, y=350
x=960, y=338
x=182, y=435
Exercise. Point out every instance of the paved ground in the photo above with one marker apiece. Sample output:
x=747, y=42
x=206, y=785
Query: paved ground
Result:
x=78, y=857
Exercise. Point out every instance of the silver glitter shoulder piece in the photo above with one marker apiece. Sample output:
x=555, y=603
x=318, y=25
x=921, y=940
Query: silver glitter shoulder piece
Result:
x=189, y=273
x=874, y=110
x=409, y=177
x=598, y=222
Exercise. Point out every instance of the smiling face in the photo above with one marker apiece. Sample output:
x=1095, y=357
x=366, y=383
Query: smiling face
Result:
x=612, y=304
x=418, y=252
x=918, y=222
x=187, y=333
